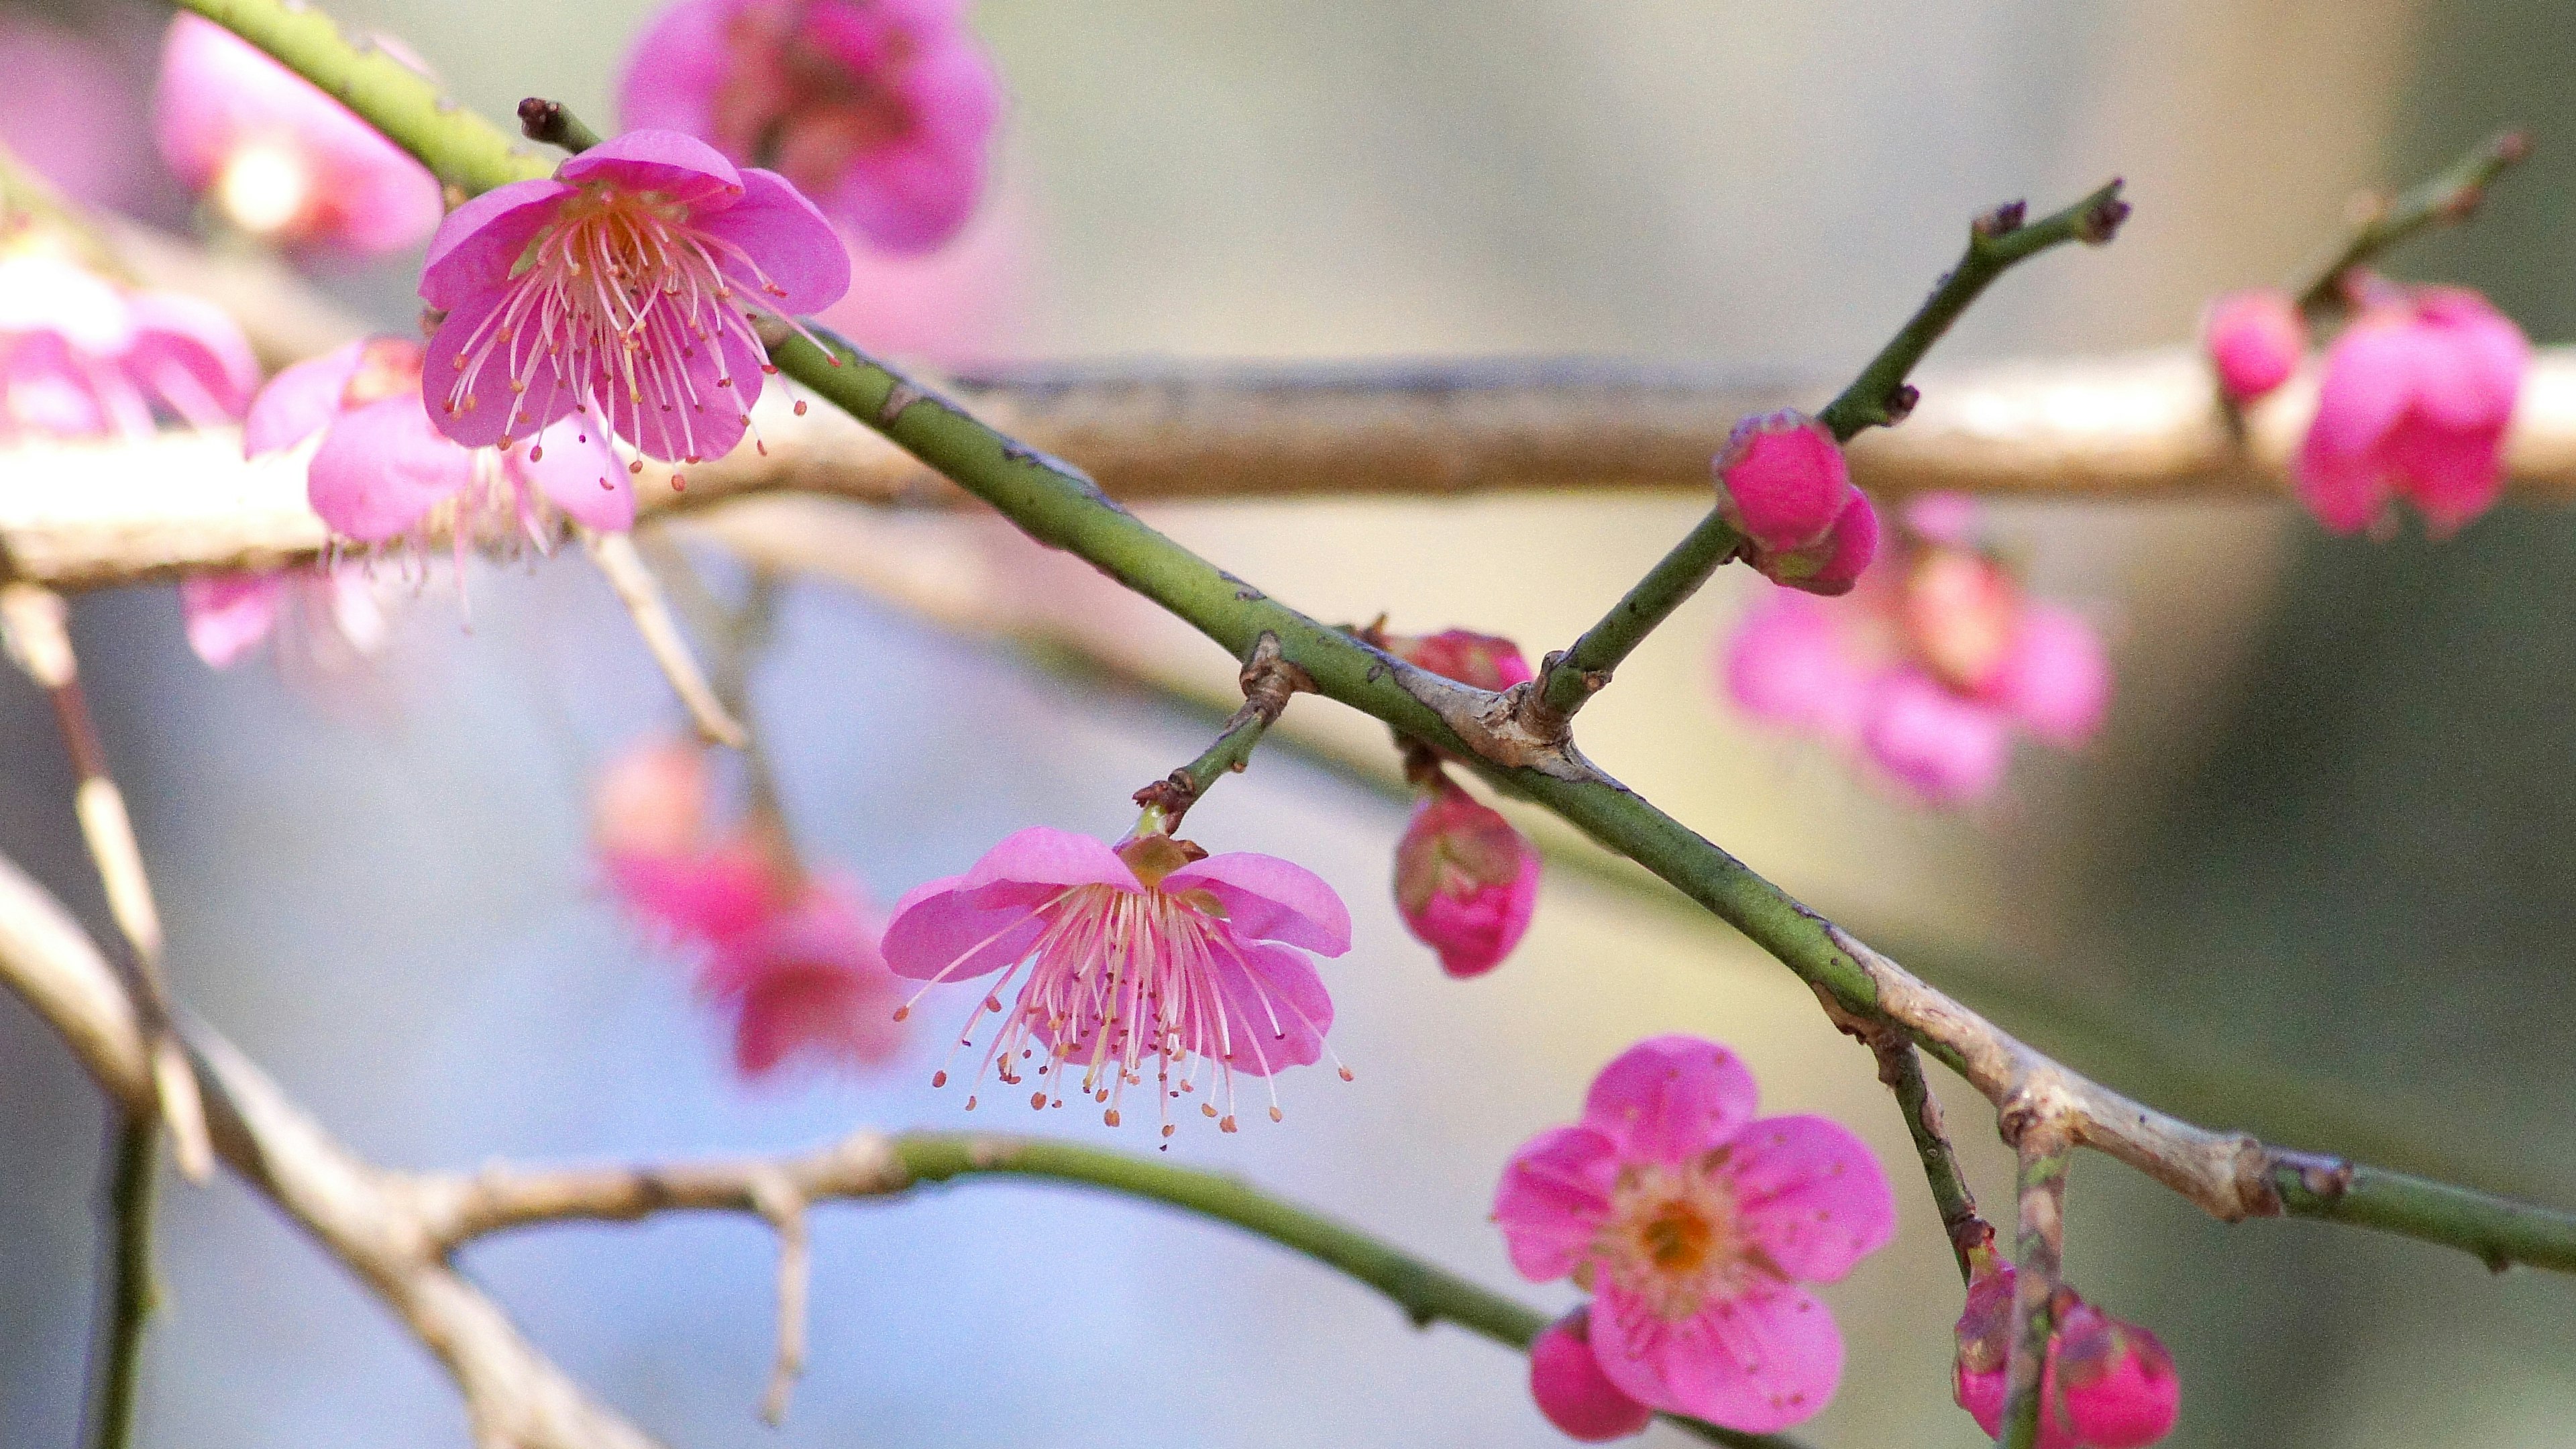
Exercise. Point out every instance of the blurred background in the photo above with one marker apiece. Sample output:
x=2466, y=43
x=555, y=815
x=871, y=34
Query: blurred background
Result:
x=2312, y=881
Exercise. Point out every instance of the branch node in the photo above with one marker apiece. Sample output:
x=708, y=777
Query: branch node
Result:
x=777, y=1198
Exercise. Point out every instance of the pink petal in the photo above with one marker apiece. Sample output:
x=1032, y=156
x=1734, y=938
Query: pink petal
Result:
x=2346, y=491
x=1834, y=567
x=1043, y=856
x=300, y=401
x=1946, y=749
x=480, y=242
x=1276, y=1009
x=2056, y=678
x=706, y=897
x=2255, y=339
x=1554, y=1193
x=1671, y=1098
x=1811, y=1194
x=939, y=932
x=913, y=195
x=681, y=167
x=1788, y=665
x=2452, y=475
x=192, y=355
x=570, y=463
x=228, y=614
x=1758, y=1364
x=1577, y=1397
x=707, y=421
x=381, y=468
x=675, y=68
x=498, y=409
x=2370, y=379
x=2473, y=361
x=1269, y=899
x=796, y=262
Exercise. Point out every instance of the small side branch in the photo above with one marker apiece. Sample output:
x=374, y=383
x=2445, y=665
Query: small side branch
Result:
x=2039, y=1250
x=2445, y=200
x=127, y=1292
x=1900, y=1067
x=775, y=1197
x=641, y=593
x=1269, y=680
x=552, y=123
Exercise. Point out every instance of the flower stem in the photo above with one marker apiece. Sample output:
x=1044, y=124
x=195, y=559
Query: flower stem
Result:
x=2039, y=1250
x=2446, y=199
x=126, y=1293
x=1900, y=1066
x=1879, y=397
x=552, y=123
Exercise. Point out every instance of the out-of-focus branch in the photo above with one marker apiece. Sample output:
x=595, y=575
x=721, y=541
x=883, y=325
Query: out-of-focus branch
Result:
x=2445, y=200
x=2039, y=1252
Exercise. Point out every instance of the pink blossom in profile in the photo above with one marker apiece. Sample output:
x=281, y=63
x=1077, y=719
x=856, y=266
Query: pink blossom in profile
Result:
x=278, y=156
x=2106, y=1383
x=807, y=982
x=2417, y=395
x=1783, y=484
x=2254, y=339
x=1485, y=661
x=82, y=358
x=1693, y=1223
x=621, y=285
x=1151, y=965
x=882, y=111
x=1465, y=880
x=330, y=615
x=1577, y=1397
x=382, y=472
x=1930, y=670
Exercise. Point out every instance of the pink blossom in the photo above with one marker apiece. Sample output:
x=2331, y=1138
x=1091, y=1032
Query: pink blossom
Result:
x=1693, y=1222
x=80, y=358
x=1784, y=486
x=331, y=614
x=1485, y=661
x=2417, y=395
x=280, y=157
x=1930, y=669
x=2255, y=339
x=1465, y=880
x=73, y=111
x=382, y=471
x=621, y=284
x=881, y=110
x=2106, y=1383
x=1152, y=954
x=1571, y=1389
x=807, y=981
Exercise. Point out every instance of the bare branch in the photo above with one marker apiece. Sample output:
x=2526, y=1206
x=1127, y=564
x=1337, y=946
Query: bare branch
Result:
x=641, y=593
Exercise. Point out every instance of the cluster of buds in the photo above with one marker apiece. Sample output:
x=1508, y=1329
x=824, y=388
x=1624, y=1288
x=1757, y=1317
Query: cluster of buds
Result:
x=1466, y=882
x=2106, y=1383
x=1783, y=484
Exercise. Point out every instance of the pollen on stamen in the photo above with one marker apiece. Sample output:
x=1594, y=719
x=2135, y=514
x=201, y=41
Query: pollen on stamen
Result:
x=1226, y=1123
x=937, y=1079
x=1278, y=1116
x=900, y=1012
x=1110, y=1117
x=800, y=407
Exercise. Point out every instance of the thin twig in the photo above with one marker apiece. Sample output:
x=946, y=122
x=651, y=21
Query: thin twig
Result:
x=642, y=595
x=1900, y=1067
x=776, y=1198
x=2447, y=199
x=1268, y=683
x=552, y=123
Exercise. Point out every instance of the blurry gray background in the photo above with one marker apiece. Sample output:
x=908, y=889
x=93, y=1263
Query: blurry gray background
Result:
x=2328, y=831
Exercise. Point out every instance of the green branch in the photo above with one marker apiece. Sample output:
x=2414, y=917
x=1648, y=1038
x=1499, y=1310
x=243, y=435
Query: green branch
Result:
x=1880, y=396
x=126, y=1292
x=2445, y=200
x=1058, y=506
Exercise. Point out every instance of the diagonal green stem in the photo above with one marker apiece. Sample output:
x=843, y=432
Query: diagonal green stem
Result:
x=1877, y=398
x=2445, y=200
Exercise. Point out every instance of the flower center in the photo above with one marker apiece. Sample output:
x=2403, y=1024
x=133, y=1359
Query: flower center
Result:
x=1671, y=1241
x=790, y=102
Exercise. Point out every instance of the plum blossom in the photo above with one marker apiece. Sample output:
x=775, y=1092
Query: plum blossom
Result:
x=2255, y=339
x=330, y=612
x=1692, y=1222
x=81, y=358
x=281, y=158
x=789, y=957
x=73, y=111
x=621, y=285
x=2106, y=1383
x=1930, y=670
x=1784, y=486
x=1577, y=1397
x=2417, y=394
x=1151, y=954
x=382, y=472
x=1485, y=661
x=1465, y=880
x=880, y=110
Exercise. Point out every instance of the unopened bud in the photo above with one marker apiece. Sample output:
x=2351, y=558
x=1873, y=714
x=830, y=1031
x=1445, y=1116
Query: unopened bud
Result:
x=1485, y=661
x=1577, y=1397
x=2255, y=339
x=1465, y=880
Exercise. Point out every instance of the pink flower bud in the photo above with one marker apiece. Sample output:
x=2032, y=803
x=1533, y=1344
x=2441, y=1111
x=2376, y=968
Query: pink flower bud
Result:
x=1571, y=1389
x=1486, y=661
x=652, y=800
x=2255, y=339
x=1782, y=481
x=1465, y=881
x=2115, y=1385
x=2416, y=397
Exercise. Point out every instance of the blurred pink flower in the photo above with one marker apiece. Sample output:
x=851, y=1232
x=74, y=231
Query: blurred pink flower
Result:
x=790, y=956
x=1929, y=670
x=880, y=110
x=331, y=615
x=73, y=110
x=2418, y=392
x=1692, y=1223
x=968, y=302
x=1486, y=661
x=1782, y=482
x=621, y=284
x=1577, y=1397
x=382, y=471
x=1151, y=953
x=2106, y=1383
x=80, y=358
x=2255, y=339
x=1465, y=880
x=281, y=158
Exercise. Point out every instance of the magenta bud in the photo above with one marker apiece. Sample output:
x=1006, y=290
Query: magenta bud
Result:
x=2115, y=1385
x=1782, y=482
x=1465, y=881
x=2255, y=339
x=1486, y=661
x=1571, y=1389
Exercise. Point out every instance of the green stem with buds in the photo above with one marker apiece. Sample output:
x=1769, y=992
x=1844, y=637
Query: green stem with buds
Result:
x=2444, y=200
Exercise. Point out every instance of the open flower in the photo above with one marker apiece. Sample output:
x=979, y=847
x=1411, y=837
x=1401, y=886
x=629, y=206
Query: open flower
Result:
x=2417, y=395
x=330, y=613
x=278, y=156
x=2106, y=1383
x=790, y=956
x=880, y=110
x=1692, y=1222
x=382, y=471
x=1465, y=880
x=1930, y=669
x=82, y=358
x=621, y=285
x=1782, y=482
x=1152, y=956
